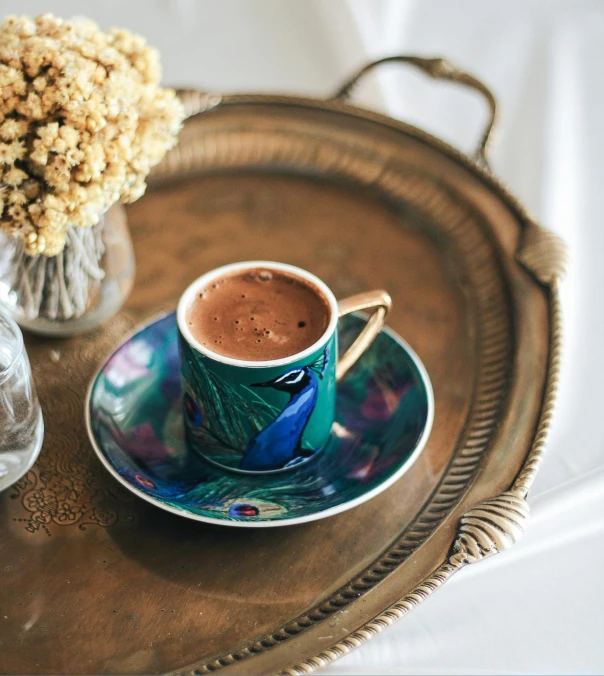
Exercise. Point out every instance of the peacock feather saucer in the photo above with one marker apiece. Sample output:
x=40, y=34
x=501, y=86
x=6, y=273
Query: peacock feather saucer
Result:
x=134, y=416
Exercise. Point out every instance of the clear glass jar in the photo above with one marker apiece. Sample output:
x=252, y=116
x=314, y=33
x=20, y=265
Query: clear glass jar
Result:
x=76, y=290
x=21, y=426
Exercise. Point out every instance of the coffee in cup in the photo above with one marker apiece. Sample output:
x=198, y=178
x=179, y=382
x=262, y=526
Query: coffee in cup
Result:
x=258, y=314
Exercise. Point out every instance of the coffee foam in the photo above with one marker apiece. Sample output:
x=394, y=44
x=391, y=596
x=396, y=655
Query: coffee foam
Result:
x=258, y=315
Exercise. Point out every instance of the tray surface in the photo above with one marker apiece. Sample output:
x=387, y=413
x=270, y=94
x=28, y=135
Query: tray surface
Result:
x=95, y=581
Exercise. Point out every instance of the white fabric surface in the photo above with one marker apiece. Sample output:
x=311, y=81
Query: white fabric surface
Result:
x=536, y=608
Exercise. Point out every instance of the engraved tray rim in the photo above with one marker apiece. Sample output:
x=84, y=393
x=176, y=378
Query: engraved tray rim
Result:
x=477, y=524
x=540, y=253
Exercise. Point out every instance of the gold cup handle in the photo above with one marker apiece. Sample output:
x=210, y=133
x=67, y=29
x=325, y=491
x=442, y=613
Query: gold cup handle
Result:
x=381, y=302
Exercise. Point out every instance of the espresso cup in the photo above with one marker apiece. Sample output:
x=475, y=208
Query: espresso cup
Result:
x=265, y=415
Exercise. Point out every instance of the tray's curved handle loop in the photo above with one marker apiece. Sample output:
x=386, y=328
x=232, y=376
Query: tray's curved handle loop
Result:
x=439, y=69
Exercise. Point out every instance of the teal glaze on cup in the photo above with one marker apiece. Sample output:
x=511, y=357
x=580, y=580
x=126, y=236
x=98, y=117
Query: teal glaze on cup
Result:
x=263, y=416
x=247, y=418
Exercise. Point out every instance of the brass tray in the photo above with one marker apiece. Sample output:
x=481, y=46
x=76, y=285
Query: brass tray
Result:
x=95, y=581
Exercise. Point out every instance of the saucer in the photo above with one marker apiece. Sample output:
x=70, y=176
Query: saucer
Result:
x=384, y=413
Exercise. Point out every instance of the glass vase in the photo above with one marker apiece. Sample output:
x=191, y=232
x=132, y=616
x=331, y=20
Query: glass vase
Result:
x=76, y=290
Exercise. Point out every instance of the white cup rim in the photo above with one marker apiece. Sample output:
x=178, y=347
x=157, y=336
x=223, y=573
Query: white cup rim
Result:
x=202, y=282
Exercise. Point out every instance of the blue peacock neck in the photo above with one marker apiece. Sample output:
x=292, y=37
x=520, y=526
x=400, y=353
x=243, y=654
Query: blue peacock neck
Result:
x=279, y=443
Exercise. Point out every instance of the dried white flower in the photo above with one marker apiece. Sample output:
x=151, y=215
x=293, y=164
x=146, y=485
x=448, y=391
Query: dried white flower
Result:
x=82, y=121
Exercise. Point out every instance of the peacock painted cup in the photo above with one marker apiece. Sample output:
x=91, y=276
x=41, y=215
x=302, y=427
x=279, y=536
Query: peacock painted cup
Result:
x=271, y=415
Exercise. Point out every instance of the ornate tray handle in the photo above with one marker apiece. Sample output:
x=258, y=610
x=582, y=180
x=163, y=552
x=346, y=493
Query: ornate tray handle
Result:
x=487, y=529
x=196, y=101
x=542, y=252
x=439, y=69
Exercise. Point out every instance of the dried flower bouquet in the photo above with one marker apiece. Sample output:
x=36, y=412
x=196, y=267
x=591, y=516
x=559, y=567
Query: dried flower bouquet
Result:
x=82, y=121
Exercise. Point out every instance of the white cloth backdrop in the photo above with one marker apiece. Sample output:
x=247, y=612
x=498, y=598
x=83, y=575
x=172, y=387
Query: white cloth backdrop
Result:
x=538, y=607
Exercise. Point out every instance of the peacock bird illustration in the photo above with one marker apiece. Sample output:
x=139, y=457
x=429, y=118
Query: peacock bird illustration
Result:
x=279, y=444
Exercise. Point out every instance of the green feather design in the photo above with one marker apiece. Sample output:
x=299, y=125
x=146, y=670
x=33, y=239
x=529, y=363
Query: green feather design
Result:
x=233, y=414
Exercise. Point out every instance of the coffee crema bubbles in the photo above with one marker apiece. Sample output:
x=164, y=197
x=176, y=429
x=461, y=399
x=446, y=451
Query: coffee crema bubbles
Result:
x=258, y=315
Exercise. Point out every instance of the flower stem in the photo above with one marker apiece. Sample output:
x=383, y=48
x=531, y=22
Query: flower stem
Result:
x=61, y=287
